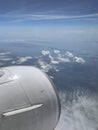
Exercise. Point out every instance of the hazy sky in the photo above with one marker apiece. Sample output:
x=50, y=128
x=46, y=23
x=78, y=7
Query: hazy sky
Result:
x=57, y=20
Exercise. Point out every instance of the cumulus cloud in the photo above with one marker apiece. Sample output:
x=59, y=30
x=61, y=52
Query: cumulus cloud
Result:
x=76, y=59
x=61, y=59
x=56, y=51
x=6, y=59
x=21, y=60
x=69, y=54
x=54, y=62
x=5, y=56
x=5, y=53
x=48, y=61
x=57, y=59
x=24, y=59
x=51, y=77
x=45, y=52
x=79, y=60
x=44, y=65
x=13, y=62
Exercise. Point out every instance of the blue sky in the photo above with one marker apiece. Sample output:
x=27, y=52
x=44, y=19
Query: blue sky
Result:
x=49, y=20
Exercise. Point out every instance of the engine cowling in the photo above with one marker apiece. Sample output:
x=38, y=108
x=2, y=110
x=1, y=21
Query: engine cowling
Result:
x=28, y=100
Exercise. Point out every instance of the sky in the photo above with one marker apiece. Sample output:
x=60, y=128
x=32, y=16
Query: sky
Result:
x=49, y=20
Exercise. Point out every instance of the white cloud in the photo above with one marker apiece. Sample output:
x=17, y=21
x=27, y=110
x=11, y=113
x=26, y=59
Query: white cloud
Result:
x=47, y=62
x=56, y=51
x=81, y=113
x=23, y=59
x=42, y=61
x=13, y=62
x=28, y=57
x=44, y=66
x=51, y=58
x=28, y=17
x=69, y=54
x=61, y=59
x=45, y=52
x=51, y=77
x=12, y=40
x=57, y=70
x=6, y=59
x=54, y=62
x=4, y=56
x=5, y=53
x=50, y=17
x=79, y=60
x=75, y=58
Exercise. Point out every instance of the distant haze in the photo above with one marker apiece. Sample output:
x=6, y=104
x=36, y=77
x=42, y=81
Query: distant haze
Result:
x=49, y=20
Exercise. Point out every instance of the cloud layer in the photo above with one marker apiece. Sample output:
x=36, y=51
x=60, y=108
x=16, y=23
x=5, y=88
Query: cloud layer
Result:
x=47, y=60
x=51, y=60
x=80, y=114
x=31, y=17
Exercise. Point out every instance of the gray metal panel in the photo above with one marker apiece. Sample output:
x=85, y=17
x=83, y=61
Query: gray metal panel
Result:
x=21, y=110
x=1, y=73
x=23, y=121
x=12, y=97
x=26, y=89
x=6, y=77
x=39, y=90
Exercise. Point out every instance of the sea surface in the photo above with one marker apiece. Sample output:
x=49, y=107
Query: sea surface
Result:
x=74, y=70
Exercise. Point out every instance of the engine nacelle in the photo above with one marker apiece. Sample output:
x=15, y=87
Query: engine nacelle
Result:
x=28, y=100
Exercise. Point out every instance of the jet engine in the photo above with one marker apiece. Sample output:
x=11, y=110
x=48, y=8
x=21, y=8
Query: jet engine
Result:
x=28, y=99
